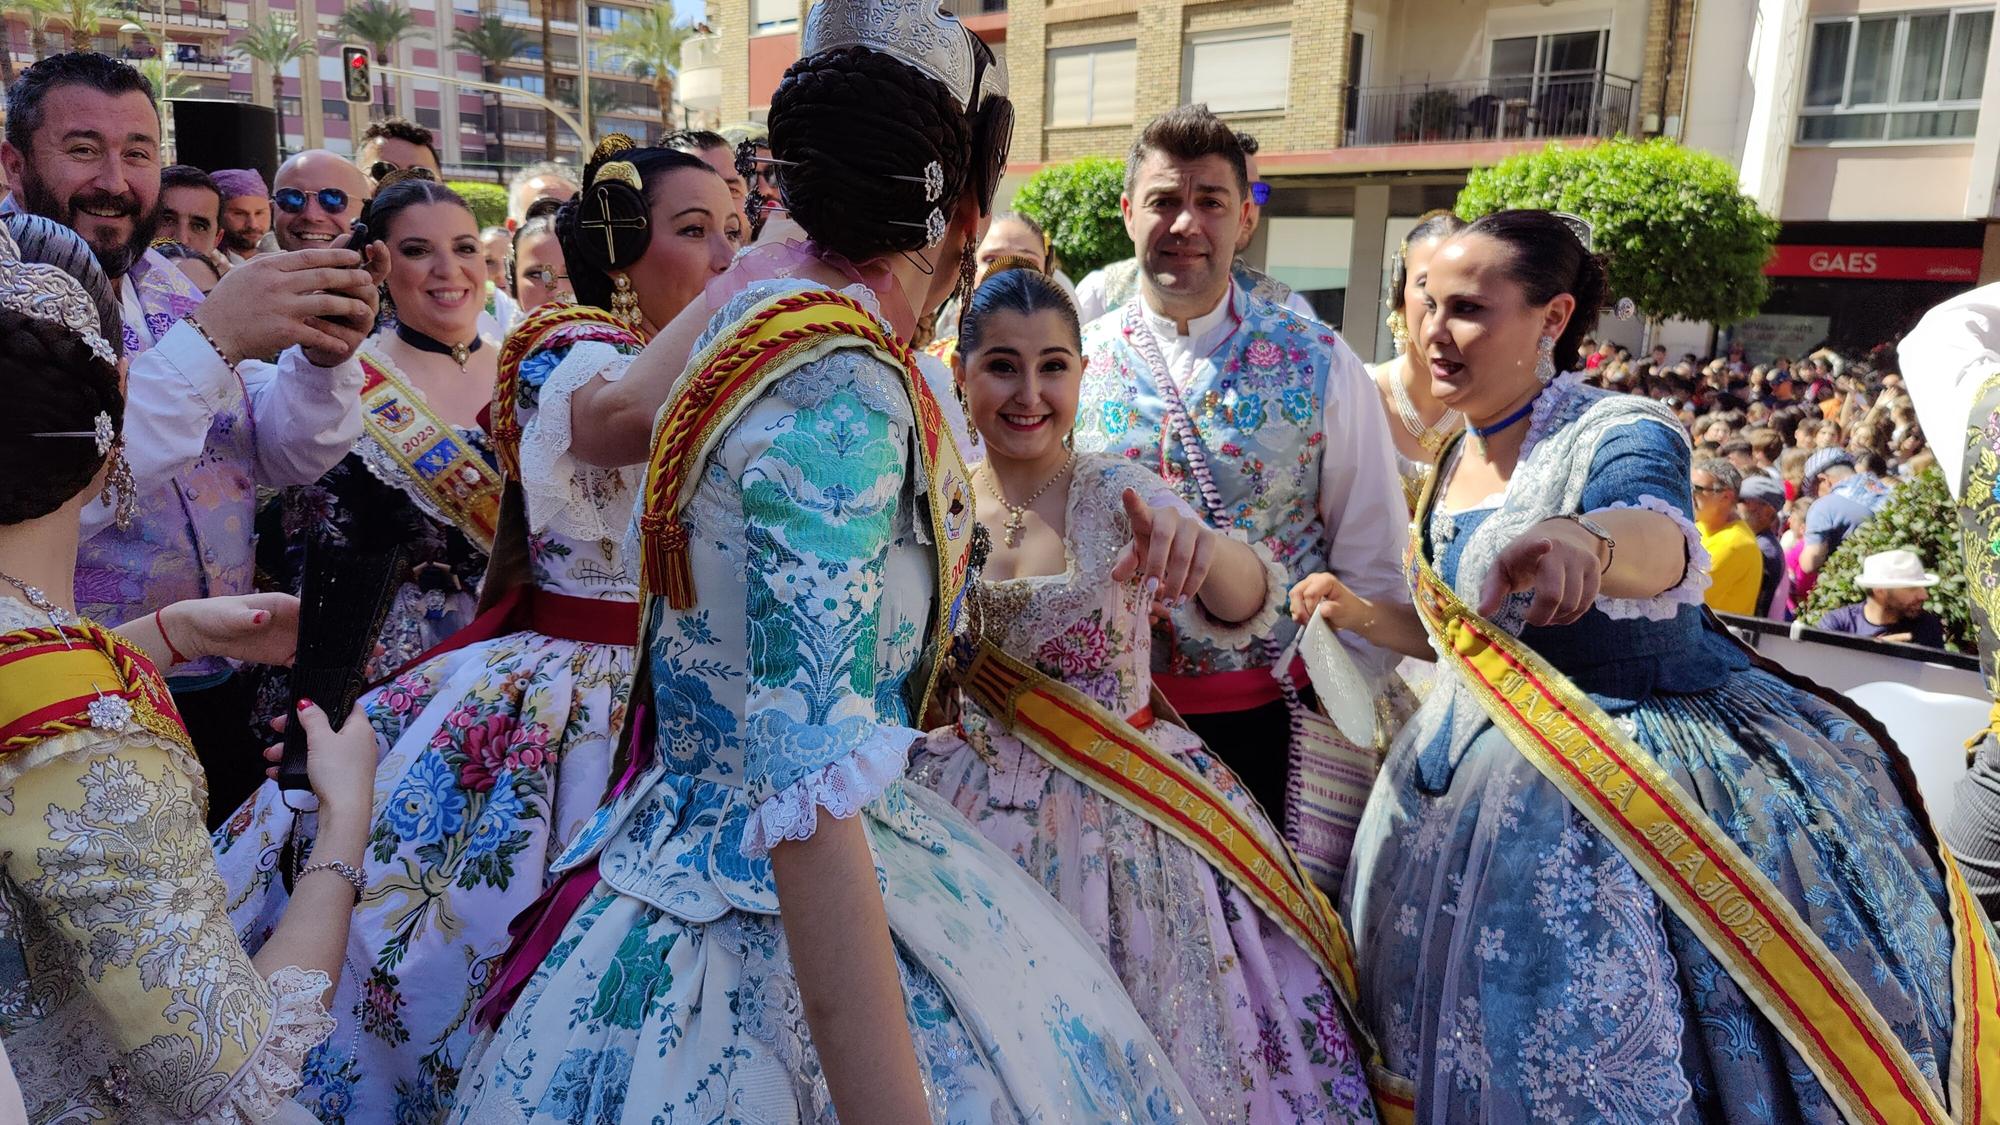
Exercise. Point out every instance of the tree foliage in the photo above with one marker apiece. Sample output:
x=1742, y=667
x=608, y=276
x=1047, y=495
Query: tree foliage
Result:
x=1077, y=204
x=1919, y=516
x=648, y=45
x=488, y=201
x=1683, y=240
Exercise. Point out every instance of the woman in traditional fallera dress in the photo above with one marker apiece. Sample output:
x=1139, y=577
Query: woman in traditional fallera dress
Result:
x=1613, y=870
x=1083, y=544
x=1419, y=425
x=496, y=750
x=764, y=923
x=423, y=462
x=124, y=995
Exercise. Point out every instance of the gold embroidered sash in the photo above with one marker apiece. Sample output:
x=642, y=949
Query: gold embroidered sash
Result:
x=452, y=476
x=80, y=677
x=582, y=322
x=1717, y=891
x=774, y=339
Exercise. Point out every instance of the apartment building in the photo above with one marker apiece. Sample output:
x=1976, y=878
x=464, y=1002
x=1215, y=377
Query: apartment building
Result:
x=1369, y=112
x=1871, y=129
x=476, y=131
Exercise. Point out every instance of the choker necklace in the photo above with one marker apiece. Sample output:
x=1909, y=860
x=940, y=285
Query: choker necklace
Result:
x=1481, y=433
x=425, y=342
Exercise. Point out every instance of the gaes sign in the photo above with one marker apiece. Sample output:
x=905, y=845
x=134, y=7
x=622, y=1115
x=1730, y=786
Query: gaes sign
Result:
x=1876, y=263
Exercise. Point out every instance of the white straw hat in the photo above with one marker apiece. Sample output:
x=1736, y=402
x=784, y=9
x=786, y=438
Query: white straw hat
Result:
x=1894, y=570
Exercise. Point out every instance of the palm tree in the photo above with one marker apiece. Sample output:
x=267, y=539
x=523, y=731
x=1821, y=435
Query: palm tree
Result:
x=604, y=98
x=543, y=11
x=83, y=16
x=648, y=45
x=381, y=25
x=167, y=83
x=495, y=41
x=275, y=43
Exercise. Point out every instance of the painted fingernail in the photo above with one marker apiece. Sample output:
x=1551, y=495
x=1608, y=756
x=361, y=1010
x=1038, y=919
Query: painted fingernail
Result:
x=304, y=703
x=259, y=618
x=1152, y=583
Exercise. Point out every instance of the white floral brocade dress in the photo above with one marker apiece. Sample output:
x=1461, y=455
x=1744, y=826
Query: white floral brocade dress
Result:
x=1248, y=1019
x=493, y=757
x=669, y=996
x=124, y=994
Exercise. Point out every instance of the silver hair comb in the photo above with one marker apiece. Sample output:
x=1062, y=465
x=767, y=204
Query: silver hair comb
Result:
x=47, y=293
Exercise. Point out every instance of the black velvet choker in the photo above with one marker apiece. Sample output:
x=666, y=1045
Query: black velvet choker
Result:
x=425, y=342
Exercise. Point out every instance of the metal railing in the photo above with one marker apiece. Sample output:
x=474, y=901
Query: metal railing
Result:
x=1577, y=103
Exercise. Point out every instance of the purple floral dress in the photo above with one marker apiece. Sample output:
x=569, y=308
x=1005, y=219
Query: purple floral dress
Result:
x=1246, y=1017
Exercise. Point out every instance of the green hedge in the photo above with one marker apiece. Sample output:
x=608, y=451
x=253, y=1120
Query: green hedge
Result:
x=488, y=201
x=1919, y=516
x=1077, y=204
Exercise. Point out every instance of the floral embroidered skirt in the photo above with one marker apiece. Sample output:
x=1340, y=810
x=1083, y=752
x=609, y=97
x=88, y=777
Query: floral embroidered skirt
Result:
x=1517, y=968
x=641, y=1015
x=1248, y=1019
x=497, y=754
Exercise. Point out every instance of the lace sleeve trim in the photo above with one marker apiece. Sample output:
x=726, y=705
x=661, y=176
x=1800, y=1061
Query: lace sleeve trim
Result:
x=841, y=787
x=1694, y=579
x=264, y=1087
x=562, y=492
x=1199, y=623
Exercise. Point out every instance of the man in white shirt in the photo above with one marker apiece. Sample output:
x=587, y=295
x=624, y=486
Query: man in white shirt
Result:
x=1951, y=362
x=206, y=422
x=1263, y=420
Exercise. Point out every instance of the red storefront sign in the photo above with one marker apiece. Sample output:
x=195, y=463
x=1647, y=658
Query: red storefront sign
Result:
x=1876, y=263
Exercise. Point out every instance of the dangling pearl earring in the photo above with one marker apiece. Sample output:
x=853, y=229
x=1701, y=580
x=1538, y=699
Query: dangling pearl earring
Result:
x=1545, y=364
x=1399, y=331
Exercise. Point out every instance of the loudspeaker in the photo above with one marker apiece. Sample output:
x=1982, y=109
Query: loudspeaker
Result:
x=213, y=135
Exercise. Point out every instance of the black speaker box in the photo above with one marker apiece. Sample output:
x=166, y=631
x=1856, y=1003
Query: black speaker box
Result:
x=213, y=135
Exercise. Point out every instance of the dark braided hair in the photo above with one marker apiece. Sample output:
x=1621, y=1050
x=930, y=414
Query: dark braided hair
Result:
x=1020, y=290
x=400, y=191
x=1437, y=224
x=584, y=258
x=847, y=120
x=1547, y=260
x=55, y=383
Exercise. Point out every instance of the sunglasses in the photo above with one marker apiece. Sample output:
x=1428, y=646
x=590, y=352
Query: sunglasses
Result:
x=381, y=170
x=292, y=200
x=1260, y=193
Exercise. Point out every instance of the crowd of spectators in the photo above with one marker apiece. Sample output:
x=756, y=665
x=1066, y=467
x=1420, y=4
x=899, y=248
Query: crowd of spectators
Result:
x=1791, y=457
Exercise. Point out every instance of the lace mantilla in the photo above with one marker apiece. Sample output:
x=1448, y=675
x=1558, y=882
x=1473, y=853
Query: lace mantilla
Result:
x=566, y=497
x=1694, y=580
x=842, y=788
x=263, y=1089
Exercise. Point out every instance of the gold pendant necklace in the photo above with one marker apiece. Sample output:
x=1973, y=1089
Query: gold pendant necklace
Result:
x=1017, y=518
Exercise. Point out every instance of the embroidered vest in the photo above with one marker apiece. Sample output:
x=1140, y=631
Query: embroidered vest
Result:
x=1121, y=281
x=193, y=536
x=1257, y=404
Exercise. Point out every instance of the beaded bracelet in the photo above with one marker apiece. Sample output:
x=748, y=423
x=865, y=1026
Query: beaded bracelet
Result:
x=193, y=321
x=346, y=871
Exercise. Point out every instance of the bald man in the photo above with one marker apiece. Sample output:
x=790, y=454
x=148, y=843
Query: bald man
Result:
x=316, y=197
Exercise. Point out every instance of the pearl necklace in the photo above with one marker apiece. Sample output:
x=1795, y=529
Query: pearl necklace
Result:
x=1429, y=438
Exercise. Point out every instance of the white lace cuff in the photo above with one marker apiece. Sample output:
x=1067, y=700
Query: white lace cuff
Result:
x=1197, y=622
x=841, y=787
x=1688, y=591
x=564, y=495
x=263, y=1089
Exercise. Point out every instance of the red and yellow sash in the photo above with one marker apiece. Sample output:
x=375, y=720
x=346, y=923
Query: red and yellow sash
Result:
x=79, y=677
x=576, y=324
x=1097, y=748
x=776, y=338
x=1718, y=892
x=451, y=475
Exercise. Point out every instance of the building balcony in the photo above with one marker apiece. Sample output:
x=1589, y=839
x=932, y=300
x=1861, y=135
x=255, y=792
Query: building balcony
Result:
x=1558, y=104
x=186, y=15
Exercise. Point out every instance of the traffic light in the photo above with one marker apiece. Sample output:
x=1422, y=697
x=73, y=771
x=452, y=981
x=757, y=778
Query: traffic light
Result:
x=357, y=78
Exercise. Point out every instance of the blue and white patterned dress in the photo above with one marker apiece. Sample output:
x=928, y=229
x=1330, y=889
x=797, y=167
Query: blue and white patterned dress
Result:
x=1512, y=961
x=670, y=996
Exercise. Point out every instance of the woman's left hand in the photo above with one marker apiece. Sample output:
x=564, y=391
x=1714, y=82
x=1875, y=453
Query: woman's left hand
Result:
x=1168, y=544
x=1558, y=561
x=252, y=628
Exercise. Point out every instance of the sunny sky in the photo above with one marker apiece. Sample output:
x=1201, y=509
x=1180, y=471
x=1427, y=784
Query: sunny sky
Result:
x=690, y=9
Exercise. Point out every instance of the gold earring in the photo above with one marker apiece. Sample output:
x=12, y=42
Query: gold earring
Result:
x=968, y=269
x=1399, y=331
x=624, y=302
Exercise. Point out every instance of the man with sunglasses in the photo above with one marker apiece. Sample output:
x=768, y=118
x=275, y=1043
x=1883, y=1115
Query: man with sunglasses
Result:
x=395, y=144
x=316, y=197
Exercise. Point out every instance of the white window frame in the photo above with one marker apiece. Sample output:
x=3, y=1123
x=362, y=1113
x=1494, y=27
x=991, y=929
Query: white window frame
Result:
x=1091, y=51
x=1538, y=80
x=768, y=27
x=1846, y=108
x=1233, y=35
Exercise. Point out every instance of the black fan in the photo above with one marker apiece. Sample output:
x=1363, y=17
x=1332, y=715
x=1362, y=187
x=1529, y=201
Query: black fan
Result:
x=349, y=583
